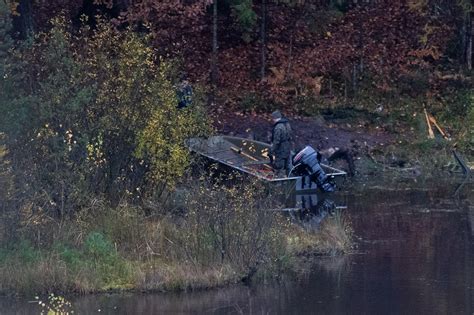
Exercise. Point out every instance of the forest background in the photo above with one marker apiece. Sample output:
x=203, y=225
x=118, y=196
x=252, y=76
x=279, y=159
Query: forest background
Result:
x=92, y=158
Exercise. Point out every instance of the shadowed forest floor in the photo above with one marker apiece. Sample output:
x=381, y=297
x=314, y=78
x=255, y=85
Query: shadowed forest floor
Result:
x=319, y=132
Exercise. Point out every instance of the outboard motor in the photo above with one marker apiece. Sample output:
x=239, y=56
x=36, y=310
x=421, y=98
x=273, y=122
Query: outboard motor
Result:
x=309, y=159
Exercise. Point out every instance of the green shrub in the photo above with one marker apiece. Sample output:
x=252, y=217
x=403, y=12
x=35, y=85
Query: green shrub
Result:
x=250, y=102
x=24, y=252
x=98, y=247
x=71, y=256
x=112, y=269
x=80, y=122
x=467, y=129
x=27, y=253
x=246, y=17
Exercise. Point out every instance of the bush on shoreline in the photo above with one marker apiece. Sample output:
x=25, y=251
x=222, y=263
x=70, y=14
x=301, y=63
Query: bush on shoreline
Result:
x=224, y=236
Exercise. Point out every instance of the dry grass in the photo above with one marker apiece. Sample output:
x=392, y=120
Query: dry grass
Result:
x=45, y=275
x=334, y=237
x=182, y=276
x=222, y=238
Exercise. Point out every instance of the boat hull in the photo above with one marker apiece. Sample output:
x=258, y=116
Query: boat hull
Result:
x=251, y=157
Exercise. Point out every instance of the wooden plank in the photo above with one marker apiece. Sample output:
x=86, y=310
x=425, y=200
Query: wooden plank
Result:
x=465, y=168
x=249, y=156
x=430, y=130
x=441, y=131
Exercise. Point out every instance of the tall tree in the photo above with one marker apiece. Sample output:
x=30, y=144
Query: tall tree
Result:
x=214, y=50
x=468, y=40
x=23, y=21
x=5, y=29
x=262, y=39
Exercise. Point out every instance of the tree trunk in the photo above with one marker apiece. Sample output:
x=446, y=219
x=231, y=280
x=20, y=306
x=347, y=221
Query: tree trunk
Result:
x=262, y=40
x=468, y=41
x=23, y=23
x=354, y=79
x=290, y=57
x=214, y=51
x=345, y=88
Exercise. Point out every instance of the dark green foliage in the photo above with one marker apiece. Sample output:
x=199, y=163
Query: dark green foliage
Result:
x=98, y=247
x=246, y=17
x=467, y=140
x=458, y=102
x=10, y=77
x=253, y=102
x=71, y=256
x=6, y=42
x=24, y=251
x=105, y=260
x=28, y=253
x=98, y=258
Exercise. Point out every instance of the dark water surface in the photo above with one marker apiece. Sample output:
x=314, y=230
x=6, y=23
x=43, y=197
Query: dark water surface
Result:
x=414, y=255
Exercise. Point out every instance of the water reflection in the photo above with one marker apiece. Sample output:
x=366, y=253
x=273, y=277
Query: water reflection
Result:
x=310, y=216
x=463, y=202
x=311, y=208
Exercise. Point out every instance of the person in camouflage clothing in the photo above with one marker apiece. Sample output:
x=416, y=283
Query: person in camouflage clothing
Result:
x=184, y=92
x=281, y=144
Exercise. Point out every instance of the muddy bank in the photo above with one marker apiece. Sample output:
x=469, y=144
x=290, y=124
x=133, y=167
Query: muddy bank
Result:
x=374, y=145
x=320, y=132
x=352, y=135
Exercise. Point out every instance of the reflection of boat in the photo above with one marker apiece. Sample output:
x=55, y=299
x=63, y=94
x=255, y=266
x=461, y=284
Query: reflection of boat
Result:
x=251, y=157
x=471, y=219
x=310, y=210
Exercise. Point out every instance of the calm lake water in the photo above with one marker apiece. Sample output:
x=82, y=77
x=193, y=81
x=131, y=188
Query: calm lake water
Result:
x=414, y=255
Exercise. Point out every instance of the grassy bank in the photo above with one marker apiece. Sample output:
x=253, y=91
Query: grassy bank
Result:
x=400, y=145
x=216, y=236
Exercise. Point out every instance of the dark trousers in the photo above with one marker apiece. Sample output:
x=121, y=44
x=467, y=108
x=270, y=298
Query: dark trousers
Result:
x=281, y=164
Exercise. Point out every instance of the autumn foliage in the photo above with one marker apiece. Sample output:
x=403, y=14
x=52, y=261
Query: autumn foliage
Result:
x=299, y=56
x=313, y=48
x=93, y=111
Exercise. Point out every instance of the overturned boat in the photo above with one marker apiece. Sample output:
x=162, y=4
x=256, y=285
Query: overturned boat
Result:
x=252, y=157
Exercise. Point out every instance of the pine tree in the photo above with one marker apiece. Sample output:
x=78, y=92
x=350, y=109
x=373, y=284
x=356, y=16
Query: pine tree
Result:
x=6, y=47
x=6, y=42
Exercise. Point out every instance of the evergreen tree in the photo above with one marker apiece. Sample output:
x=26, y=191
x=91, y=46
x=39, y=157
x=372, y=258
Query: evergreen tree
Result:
x=6, y=42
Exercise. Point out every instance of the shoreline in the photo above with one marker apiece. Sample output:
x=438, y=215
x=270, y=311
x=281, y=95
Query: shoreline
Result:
x=124, y=251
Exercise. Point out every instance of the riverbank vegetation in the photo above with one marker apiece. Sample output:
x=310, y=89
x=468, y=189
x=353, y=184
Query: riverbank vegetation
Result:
x=94, y=190
x=97, y=188
x=213, y=237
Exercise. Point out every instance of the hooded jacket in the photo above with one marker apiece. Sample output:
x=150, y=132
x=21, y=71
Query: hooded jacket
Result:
x=281, y=137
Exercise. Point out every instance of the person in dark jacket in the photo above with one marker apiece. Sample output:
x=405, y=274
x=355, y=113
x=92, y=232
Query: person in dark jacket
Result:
x=281, y=144
x=184, y=92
